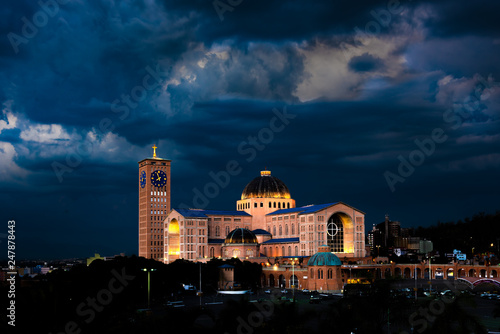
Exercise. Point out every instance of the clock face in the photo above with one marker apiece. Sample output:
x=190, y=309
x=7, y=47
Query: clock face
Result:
x=158, y=178
x=142, y=179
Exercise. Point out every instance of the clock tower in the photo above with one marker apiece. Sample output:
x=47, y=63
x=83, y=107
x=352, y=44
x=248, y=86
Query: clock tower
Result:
x=154, y=205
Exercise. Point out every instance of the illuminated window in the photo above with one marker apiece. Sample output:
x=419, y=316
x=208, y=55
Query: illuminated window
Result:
x=335, y=234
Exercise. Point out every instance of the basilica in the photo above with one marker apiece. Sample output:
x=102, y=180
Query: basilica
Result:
x=298, y=247
x=266, y=223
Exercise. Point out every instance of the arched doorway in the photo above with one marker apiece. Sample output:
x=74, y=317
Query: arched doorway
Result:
x=173, y=241
x=407, y=273
x=271, y=280
x=493, y=274
x=438, y=273
x=472, y=273
x=387, y=273
x=282, y=281
x=427, y=274
x=461, y=272
x=294, y=282
x=419, y=273
x=482, y=273
x=337, y=224
x=450, y=273
x=397, y=272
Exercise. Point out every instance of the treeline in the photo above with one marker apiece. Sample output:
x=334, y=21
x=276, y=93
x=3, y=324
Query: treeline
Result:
x=476, y=234
x=86, y=299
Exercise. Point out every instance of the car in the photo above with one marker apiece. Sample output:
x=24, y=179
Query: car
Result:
x=284, y=291
x=267, y=291
x=305, y=290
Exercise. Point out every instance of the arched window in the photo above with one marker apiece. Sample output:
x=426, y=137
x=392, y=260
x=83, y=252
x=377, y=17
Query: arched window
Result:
x=269, y=204
x=288, y=206
x=281, y=230
x=270, y=252
x=265, y=251
x=274, y=204
x=217, y=231
x=293, y=229
x=296, y=251
x=274, y=231
x=335, y=233
x=279, y=205
x=212, y=252
x=282, y=250
x=286, y=229
x=312, y=273
x=289, y=250
x=227, y=230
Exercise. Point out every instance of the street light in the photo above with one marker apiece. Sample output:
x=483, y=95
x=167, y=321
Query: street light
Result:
x=149, y=285
x=378, y=250
x=293, y=280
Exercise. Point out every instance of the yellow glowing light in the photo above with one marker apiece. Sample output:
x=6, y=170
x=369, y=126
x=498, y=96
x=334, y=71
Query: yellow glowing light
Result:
x=173, y=227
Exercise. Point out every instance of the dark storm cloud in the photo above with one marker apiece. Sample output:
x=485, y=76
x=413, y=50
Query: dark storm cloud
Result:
x=365, y=63
x=464, y=18
x=219, y=83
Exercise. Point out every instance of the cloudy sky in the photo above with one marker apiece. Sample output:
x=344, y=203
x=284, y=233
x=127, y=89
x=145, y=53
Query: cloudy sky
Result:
x=392, y=107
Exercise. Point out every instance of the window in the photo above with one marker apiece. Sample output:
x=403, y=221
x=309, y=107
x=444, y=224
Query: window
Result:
x=289, y=250
x=293, y=229
x=286, y=229
x=281, y=231
x=255, y=204
x=261, y=204
x=274, y=230
x=335, y=234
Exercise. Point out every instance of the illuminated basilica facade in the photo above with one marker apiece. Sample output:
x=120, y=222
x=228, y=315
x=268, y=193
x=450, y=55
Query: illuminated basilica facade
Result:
x=265, y=224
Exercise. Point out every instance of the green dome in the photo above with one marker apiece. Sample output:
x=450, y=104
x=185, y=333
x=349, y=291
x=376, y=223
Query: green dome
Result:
x=324, y=259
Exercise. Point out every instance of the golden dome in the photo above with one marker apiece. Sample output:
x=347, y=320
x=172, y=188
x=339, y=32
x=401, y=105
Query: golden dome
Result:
x=266, y=186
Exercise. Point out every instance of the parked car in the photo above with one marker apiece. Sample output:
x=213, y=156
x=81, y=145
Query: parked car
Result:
x=268, y=291
x=284, y=291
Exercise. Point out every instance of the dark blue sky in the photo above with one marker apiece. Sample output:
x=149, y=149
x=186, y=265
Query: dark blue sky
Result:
x=392, y=107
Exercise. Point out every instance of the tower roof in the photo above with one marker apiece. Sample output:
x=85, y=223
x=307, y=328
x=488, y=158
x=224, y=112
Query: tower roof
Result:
x=265, y=186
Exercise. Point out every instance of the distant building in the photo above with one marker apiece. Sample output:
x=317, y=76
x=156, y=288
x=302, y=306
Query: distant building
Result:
x=389, y=237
